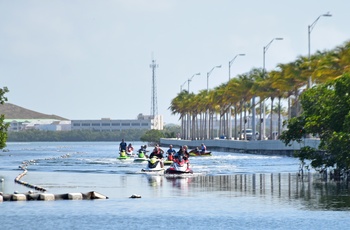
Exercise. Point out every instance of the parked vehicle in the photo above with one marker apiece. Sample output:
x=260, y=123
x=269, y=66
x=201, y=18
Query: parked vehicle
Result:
x=247, y=134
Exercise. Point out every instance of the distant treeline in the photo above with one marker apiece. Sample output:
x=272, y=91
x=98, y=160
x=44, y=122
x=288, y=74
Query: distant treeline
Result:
x=85, y=135
x=76, y=135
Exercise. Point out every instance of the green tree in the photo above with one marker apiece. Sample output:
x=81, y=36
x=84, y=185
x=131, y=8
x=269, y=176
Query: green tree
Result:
x=326, y=113
x=3, y=126
x=152, y=136
x=171, y=131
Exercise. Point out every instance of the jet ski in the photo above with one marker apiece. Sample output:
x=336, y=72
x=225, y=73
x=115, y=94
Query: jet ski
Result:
x=153, y=166
x=197, y=153
x=179, y=166
x=140, y=157
x=169, y=160
x=123, y=155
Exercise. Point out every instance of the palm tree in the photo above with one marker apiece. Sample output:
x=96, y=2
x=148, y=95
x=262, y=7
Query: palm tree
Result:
x=246, y=83
x=189, y=110
x=178, y=106
x=220, y=96
x=233, y=98
x=202, y=108
x=332, y=64
x=260, y=89
x=291, y=78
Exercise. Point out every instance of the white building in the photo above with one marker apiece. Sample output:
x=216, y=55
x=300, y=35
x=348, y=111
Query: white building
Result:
x=107, y=124
x=38, y=124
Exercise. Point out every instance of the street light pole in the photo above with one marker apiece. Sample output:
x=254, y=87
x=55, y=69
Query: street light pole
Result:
x=190, y=79
x=184, y=134
x=188, y=115
x=262, y=127
x=265, y=50
x=182, y=86
x=230, y=63
x=309, y=30
x=229, y=109
x=208, y=74
x=207, y=115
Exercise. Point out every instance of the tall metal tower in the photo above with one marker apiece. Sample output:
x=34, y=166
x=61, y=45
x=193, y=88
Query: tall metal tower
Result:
x=154, y=108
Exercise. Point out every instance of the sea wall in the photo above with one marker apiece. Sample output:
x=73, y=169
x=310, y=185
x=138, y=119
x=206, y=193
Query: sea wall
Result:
x=265, y=147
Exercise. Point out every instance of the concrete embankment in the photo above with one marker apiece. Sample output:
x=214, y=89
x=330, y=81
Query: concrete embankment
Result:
x=265, y=147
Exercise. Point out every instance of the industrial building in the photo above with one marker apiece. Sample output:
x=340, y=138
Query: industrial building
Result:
x=106, y=124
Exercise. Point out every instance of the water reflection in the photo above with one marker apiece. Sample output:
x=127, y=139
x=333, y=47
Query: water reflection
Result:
x=155, y=180
x=310, y=191
x=180, y=182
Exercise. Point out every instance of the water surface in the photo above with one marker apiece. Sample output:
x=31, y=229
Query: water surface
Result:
x=227, y=191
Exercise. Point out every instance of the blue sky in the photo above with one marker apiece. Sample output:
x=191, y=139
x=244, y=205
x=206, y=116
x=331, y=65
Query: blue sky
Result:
x=90, y=59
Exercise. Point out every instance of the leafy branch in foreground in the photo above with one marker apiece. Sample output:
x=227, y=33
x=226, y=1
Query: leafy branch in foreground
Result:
x=3, y=126
x=326, y=113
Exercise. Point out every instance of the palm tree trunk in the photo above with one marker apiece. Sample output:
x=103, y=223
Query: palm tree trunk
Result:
x=241, y=120
x=194, y=132
x=220, y=122
x=201, y=126
x=260, y=116
x=279, y=115
x=245, y=121
x=183, y=136
x=235, y=134
x=271, y=113
x=289, y=109
x=188, y=126
x=211, y=131
x=205, y=125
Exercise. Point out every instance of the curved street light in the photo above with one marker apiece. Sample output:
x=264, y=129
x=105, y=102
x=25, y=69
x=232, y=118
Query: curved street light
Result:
x=229, y=110
x=182, y=86
x=265, y=50
x=188, y=115
x=262, y=127
x=230, y=63
x=208, y=74
x=190, y=79
x=207, y=114
x=309, y=30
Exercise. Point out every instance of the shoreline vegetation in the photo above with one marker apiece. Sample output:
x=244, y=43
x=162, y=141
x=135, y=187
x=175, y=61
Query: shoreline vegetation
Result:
x=89, y=135
x=71, y=136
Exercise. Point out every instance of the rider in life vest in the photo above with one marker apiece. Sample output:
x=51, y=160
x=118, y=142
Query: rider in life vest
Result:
x=142, y=151
x=182, y=156
x=181, y=160
x=158, y=152
x=170, y=153
x=130, y=149
x=203, y=148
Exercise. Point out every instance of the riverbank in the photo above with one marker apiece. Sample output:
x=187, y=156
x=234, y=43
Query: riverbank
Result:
x=265, y=147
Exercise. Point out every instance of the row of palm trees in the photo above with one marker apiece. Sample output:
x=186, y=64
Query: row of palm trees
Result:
x=286, y=82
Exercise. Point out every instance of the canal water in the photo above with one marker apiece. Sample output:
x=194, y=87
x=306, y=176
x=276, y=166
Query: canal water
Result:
x=226, y=191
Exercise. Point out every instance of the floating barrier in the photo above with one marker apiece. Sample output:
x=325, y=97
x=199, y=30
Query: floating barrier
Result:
x=24, y=166
x=44, y=196
x=49, y=197
x=18, y=180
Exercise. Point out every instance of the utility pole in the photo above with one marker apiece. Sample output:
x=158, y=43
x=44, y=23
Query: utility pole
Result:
x=154, y=108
